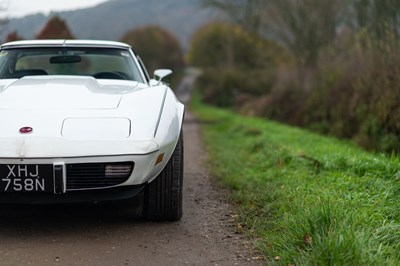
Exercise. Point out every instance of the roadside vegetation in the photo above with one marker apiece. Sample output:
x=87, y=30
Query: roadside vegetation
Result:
x=329, y=66
x=157, y=47
x=306, y=199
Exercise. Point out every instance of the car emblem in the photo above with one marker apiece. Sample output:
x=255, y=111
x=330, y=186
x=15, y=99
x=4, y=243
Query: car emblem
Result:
x=26, y=130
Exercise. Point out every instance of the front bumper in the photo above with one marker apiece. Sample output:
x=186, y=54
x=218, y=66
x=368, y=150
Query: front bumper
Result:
x=145, y=169
x=108, y=194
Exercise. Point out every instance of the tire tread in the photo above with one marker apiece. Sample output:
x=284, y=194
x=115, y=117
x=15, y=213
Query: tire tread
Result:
x=163, y=196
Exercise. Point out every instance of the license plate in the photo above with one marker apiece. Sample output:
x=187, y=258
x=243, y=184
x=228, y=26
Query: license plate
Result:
x=26, y=178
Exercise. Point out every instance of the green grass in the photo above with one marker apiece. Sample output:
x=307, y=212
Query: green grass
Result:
x=305, y=198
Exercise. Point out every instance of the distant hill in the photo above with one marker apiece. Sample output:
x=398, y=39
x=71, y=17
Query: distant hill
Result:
x=112, y=19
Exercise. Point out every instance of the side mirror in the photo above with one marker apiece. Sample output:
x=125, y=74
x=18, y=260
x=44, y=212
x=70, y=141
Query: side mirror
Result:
x=163, y=75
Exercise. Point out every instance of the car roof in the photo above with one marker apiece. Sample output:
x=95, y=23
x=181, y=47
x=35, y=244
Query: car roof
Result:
x=64, y=43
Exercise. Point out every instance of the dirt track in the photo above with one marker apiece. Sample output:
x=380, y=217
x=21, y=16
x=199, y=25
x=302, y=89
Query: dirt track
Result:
x=111, y=234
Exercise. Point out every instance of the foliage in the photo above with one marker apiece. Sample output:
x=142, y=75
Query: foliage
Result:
x=376, y=97
x=356, y=99
x=380, y=18
x=303, y=26
x=234, y=62
x=55, y=28
x=306, y=199
x=157, y=47
x=226, y=46
x=219, y=45
x=346, y=73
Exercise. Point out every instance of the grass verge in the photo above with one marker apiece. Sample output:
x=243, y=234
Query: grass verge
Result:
x=307, y=199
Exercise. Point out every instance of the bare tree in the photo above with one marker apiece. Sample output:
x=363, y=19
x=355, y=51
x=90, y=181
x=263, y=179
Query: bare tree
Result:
x=305, y=26
x=246, y=13
x=380, y=17
x=362, y=12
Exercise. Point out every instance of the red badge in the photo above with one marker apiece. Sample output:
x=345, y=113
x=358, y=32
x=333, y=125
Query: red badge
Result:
x=26, y=130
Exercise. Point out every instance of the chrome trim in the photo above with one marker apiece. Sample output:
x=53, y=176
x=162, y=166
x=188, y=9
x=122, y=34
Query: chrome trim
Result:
x=65, y=43
x=76, y=157
x=60, y=178
x=161, y=111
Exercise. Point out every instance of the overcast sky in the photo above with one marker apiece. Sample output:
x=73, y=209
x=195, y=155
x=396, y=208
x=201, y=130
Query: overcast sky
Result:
x=18, y=8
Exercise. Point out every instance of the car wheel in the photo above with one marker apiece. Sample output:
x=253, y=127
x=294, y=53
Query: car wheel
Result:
x=163, y=196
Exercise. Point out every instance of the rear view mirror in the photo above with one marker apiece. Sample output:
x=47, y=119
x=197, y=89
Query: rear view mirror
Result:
x=163, y=75
x=65, y=59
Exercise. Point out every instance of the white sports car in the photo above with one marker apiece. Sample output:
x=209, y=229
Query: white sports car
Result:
x=82, y=121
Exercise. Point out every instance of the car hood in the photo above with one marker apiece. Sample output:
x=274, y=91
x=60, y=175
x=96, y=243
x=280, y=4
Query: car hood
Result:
x=80, y=116
x=62, y=92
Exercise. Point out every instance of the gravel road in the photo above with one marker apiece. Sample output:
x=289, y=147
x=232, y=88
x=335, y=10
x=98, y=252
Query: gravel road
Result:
x=115, y=234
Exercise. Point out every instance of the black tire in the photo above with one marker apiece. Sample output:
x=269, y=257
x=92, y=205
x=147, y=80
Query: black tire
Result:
x=163, y=196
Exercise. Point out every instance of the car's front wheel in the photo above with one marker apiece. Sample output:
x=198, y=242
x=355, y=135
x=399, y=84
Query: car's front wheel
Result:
x=163, y=196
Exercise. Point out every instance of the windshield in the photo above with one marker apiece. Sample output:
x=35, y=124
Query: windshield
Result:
x=100, y=63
